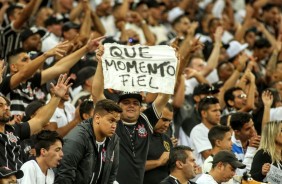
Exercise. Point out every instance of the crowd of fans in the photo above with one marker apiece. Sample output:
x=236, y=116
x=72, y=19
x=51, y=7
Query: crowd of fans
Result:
x=59, y=125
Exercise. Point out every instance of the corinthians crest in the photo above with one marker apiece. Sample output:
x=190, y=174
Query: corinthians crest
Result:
x=142, y=132
x=12, y=137
x=166, y=145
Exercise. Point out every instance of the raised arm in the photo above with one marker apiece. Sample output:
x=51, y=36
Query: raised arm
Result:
x=213, y=59
x=230, y=12
x=251, y=93
x=2, y=70
x=31, y=67
x=231, y=81
x=271, y=65
x=3, y=9
x=85, y=28
x=190, y=73
x=25, y=15
x=98, y=80
x=65, y=64
x=179, y=94
x=267, y=100
x=186, y=47
x=121, y=10
x=149, y=36
x=160, y=102
x=266, y=33
x=98, y=26
x=44, y=114
x=248, y=22
x=36, y=7
x=76, y=11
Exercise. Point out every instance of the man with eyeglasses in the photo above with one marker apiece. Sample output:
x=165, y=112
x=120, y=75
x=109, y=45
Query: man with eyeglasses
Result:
x=156, y=168
x=236, y=100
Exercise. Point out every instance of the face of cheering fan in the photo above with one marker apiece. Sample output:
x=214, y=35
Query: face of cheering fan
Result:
x=130, y=109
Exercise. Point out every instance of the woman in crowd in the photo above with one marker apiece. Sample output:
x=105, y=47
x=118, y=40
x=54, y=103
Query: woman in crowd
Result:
x=267, y=162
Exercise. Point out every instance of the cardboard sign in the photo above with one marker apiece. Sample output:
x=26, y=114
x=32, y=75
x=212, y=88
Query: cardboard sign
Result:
x=274, y=176
x=139, y=68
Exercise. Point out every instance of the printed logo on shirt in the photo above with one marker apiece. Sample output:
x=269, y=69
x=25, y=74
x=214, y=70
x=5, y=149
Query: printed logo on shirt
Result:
x=12, y=137
x=28, y=89
x=142, y=132
x=166, y=146
x=103, y=154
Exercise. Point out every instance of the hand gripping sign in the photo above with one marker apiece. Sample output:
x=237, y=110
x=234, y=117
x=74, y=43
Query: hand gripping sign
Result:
x=139, y=68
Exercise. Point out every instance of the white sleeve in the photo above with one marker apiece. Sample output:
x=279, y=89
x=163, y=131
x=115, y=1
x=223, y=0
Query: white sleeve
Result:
x=190, y=84
x=218, y=8
x=200, y=141
x=207, y=165
x=29, y=174
x=276, y=114
x=54, y=118
x=248, y=159
x=183, y=139
x=249, y=155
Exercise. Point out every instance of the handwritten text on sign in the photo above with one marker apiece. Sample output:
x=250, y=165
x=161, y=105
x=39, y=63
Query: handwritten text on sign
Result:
x=139, y=68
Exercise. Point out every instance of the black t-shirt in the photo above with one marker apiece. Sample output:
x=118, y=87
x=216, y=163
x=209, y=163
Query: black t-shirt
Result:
x=22, y=95
x=10, y=145
x=9, y=40
x=173, y=180
x=26, y=146
x=134, y=149
x=259, y=159
x=102, y=149
x=159, y=143
x=191, y=121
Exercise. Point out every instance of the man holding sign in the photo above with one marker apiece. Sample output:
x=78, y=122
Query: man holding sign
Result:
x=144, y=68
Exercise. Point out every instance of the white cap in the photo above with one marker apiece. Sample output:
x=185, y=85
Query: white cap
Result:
x=235, y=48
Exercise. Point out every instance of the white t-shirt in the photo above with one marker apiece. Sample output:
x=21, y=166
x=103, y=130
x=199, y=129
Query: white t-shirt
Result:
x=207, y=164
x=63, y=116
x=49, y=41
x=109, y=23
x=200, y=142
x=138, y=30
x=160, y=33
x=206, y=178
x=34, y=175
x=183, y=138
x=276, y=114
x=207, y=167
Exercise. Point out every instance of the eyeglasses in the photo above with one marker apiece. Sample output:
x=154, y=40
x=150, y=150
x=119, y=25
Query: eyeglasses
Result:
x=242, y=96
